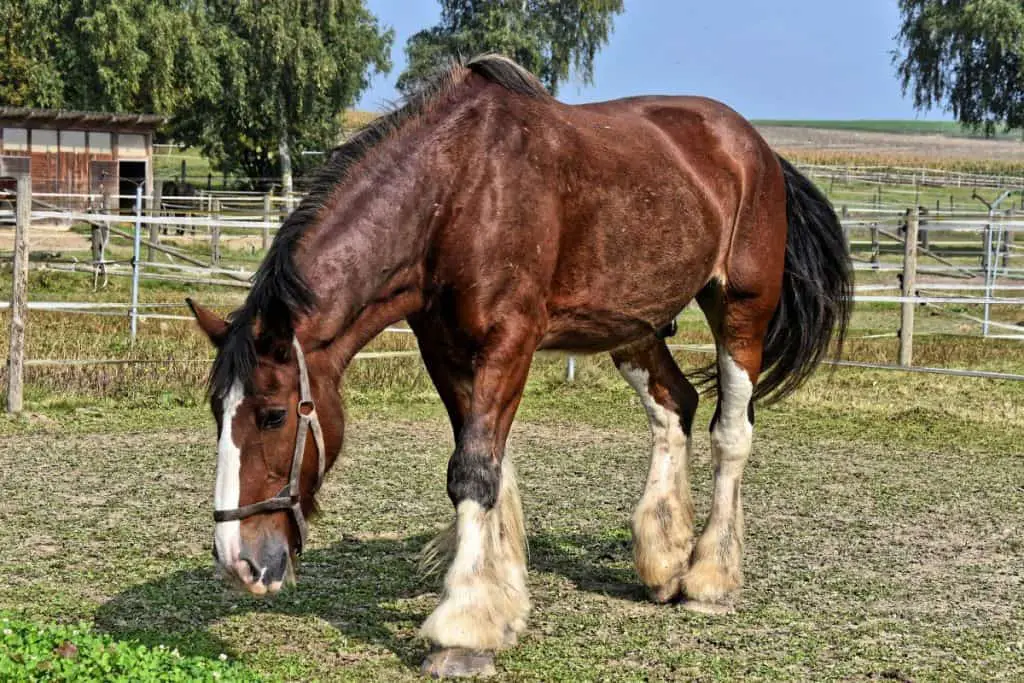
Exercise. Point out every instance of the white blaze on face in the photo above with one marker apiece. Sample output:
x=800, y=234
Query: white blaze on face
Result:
x=227, y=535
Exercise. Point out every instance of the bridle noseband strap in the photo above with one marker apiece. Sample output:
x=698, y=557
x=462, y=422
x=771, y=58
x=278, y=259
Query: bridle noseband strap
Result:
x=288, y=498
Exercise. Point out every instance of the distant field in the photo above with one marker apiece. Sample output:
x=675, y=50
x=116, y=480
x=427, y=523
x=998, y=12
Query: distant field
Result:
x=851, y=146
x=935, y=144
x=948, y=128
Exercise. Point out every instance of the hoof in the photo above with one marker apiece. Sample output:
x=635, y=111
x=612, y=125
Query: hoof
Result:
x=457, y=662
x=712, y=584
x=711, y=608
x=670, y=592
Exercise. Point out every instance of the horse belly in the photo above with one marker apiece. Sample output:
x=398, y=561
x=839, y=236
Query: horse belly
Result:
x=626, y=287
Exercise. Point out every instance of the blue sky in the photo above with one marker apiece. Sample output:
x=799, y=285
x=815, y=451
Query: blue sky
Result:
x=787, y=59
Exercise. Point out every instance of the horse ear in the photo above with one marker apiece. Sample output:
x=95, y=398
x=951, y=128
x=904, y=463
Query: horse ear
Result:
x=209, y=322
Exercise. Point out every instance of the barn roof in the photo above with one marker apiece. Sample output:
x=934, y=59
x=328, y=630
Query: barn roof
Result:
x=91, y=120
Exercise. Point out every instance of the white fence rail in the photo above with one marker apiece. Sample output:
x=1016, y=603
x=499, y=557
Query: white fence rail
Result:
x=216, y=215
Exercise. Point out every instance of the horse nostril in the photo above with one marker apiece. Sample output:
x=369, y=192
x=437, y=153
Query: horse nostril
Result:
x=255, y=573
x=277, y=566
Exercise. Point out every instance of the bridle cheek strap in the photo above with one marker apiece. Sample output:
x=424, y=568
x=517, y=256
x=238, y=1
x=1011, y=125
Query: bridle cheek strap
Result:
x=288, y=498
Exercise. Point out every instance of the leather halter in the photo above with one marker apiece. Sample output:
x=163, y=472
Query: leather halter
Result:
x=288, y=497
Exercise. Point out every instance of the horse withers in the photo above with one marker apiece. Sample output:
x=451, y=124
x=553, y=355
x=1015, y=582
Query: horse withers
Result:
x=499, y=221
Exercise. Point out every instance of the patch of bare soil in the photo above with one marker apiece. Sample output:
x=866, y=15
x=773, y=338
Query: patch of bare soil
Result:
x=45, y=238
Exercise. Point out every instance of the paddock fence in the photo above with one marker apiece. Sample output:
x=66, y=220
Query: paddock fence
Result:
x=965, y=261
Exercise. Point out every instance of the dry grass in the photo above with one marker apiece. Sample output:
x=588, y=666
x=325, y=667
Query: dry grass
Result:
x=181, y=353
x=869, y=554
x=882, y=513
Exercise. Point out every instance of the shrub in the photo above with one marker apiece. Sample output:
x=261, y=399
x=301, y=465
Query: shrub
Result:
x=34, y=652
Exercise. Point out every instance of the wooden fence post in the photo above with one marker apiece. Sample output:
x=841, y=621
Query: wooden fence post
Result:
x=266, y=219
x=19, y=296
x=908, y=285
x=155, y=201
x=136, y=266
x=1011, y=239
x=215, y=232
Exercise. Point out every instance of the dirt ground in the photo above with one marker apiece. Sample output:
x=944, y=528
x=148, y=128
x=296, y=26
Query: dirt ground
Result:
x=46, y=238
x=60, y=238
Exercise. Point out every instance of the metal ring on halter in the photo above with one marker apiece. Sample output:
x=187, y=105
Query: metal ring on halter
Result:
x=288, y=498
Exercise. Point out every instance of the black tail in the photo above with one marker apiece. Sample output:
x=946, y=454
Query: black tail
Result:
x=817, y=291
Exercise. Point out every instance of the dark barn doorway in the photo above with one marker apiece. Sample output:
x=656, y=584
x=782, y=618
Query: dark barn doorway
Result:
x=131, y=174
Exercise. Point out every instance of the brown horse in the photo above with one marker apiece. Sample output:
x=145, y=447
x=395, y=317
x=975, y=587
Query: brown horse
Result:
x=499, y=221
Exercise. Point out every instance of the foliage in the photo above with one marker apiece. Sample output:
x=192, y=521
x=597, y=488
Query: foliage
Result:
x=236, y=78
x=965, y=55
x=107, y=55
x=27, y=76
x=137, y=55
x=287, y=69
x=33, y=652
x=548, y=38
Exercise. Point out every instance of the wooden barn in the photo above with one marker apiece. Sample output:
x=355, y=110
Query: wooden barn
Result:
x=81, y=153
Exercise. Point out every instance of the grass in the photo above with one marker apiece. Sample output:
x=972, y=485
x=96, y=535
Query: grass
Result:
x=883, y=516
x=882, y=520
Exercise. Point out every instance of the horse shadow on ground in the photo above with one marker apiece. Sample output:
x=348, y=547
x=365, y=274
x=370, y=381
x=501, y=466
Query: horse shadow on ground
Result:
x=353, y=585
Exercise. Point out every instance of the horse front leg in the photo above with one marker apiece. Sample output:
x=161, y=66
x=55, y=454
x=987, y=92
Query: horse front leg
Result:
x=485, y=601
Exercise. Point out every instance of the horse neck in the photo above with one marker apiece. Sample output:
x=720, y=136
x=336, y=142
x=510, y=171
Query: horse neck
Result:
x=364, y=259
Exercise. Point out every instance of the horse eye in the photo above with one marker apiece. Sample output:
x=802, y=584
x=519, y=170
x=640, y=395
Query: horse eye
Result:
x=272, y=418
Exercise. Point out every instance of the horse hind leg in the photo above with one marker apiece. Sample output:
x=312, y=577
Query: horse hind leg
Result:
x=715, y=576
x=663, y=520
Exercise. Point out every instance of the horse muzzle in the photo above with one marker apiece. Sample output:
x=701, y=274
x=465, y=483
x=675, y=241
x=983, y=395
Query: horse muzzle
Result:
x=261, y=568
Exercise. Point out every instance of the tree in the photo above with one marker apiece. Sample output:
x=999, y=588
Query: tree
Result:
x=107, y=55
x=27, y=76
x=288, y=68
x=137, y=55
x=547, y=37
x=966, y=56
x=251, y=82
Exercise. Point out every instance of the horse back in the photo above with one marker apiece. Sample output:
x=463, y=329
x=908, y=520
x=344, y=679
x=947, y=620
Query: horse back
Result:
x=615, y=214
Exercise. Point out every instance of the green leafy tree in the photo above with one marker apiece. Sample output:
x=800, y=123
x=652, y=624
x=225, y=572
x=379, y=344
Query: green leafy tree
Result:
x=288, y=68
x=252, y=82
x=138, y=55
x=966, y=56
x=28, y=75
x=548, y=37
x=107, y=55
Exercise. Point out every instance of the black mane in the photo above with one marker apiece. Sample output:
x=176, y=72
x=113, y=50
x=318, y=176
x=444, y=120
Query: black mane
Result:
x=279, y=292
